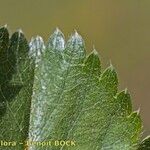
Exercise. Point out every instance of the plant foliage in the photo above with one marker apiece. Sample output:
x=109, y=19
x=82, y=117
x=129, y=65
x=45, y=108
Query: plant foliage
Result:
x=55, y=91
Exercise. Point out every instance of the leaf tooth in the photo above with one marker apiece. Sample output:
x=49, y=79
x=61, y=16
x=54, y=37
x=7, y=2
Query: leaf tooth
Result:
x=18, y=34
x=37, y=46
x=135, y=115
x=4, y=38
x=109, y=80
x=56, y=41
x=95, y=52
x=132, y=126
x=18, y=56
x=126, y=130
x=75, y=41
x=19, y=45
x=145, y=144
x=4, y=34
x=136, y=121
x=75, y=47
x=17, y=38
x=20, y=31
x=138, y=111
x=92, y=63
x=126, y=91
x=4, y=26
x=124, y=102
x=147, y=138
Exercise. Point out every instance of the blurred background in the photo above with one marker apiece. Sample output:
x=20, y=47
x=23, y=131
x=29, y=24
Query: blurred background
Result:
x=119, y=30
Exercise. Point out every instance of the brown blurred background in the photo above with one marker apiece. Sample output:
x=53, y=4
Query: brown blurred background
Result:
x=120, y=31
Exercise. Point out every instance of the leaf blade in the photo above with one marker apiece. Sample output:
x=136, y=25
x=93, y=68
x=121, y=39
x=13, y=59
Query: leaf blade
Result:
x=16, y=92
x=69, y=96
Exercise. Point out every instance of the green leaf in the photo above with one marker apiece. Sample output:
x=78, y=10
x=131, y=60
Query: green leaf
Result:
x=16, y=85
x=55, y=92
x=145, y=144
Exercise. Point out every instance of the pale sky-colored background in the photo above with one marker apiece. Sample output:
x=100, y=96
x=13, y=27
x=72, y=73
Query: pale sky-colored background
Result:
x=120, y=31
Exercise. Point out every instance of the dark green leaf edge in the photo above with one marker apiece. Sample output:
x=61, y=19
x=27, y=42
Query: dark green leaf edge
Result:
x=145, y=144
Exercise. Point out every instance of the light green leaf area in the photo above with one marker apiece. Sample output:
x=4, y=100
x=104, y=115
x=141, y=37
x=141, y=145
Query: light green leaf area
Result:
x=55, y=92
